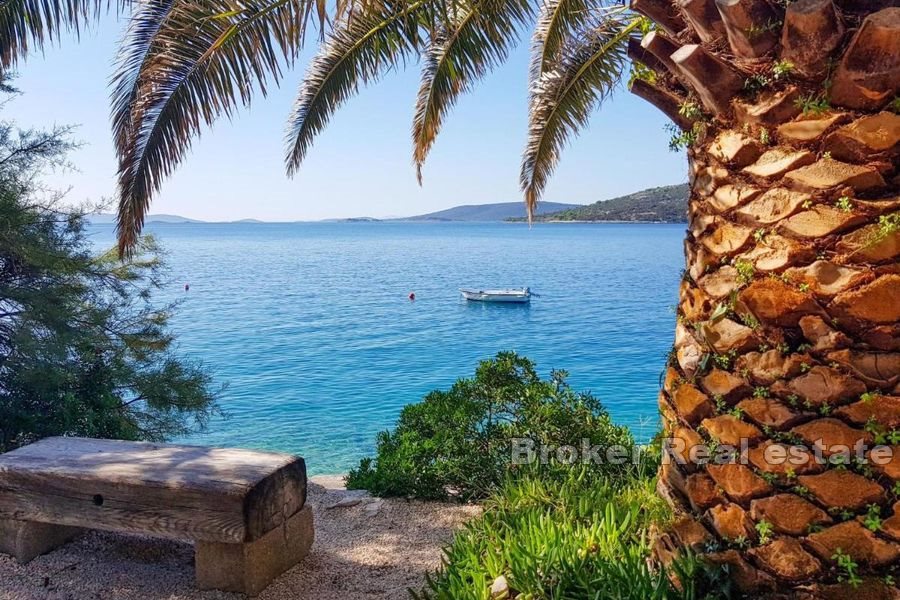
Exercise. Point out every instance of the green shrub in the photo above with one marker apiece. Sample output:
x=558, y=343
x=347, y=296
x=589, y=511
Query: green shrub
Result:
x=458, y=443
x=87, y=349
x=578, y=537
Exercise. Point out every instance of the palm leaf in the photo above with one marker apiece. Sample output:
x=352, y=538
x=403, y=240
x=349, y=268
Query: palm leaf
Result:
x=183, y=64
x=476, y=42
x=358, y=51
x=27, y=25
x=564, y=98
x=557, y=22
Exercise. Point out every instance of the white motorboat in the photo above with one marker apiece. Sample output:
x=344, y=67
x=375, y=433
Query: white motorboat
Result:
x=520, y=295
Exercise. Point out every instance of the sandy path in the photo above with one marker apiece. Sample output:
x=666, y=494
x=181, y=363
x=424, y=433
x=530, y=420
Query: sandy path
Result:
x=372, y=550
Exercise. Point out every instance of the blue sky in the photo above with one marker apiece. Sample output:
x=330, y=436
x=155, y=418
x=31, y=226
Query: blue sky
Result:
x=361, y=165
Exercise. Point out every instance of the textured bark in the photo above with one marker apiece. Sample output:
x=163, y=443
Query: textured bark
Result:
x=789, y=318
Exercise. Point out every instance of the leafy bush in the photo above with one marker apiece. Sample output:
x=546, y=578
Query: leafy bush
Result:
x=579, y=537
x=458, y=443
x=86, y=351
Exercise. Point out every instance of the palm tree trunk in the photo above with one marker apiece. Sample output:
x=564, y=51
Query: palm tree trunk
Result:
x=788, y=335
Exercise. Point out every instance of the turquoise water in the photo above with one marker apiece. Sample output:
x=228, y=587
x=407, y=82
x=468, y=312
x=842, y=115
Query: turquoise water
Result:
x=310, y=326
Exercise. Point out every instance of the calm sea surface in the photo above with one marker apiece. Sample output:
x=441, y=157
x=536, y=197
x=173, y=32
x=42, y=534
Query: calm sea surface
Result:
x=311, y=328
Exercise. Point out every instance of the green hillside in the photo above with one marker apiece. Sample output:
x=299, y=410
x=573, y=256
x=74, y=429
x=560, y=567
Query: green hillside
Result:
x=667, y=204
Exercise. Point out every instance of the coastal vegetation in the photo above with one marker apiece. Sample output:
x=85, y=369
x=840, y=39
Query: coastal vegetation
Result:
x=86, y=347
x=667, y=204
x=457, y=444
x=555, y=525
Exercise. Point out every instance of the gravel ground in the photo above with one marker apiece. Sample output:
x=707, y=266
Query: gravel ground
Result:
x=373, y=549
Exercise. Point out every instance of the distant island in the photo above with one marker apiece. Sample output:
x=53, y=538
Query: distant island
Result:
x=667, y=204
x=500, y=211
x=106, y=218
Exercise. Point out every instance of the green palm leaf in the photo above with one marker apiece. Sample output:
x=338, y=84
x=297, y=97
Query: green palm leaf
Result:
x=183, y=64
x=27, y=25
x=473, y=44
x=565, y=96
x=359, y=50
x=557, y=22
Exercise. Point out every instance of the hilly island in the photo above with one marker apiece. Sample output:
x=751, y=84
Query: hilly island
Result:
x=666, y=204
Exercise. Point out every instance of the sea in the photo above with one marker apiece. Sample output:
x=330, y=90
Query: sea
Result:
x=311, y=329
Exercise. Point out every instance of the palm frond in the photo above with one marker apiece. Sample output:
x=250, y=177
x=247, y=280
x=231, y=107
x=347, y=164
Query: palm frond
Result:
x=28, y=25
x=565, y=96
x=458, y=56
x=558, y=21
x=184, y=64
x=359, y=50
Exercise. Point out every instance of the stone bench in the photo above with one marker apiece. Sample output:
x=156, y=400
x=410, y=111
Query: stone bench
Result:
x=245, y=510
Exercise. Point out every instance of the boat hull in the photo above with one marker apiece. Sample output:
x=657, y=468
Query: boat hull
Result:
x=499, y=296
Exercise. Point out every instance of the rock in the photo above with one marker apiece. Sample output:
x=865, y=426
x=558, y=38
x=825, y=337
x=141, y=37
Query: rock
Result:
x=783, y=460
x=731, y=522
x=766, y=368
x=868, y=76
x=372, y=508
x=826, y=278
x=824, y=385
x=772, y=207
x=727, y=238
x=832, y=436
x=721, y=282
x=735, y=148
x=776, y=162
x=730, y=430
x=853, y=539
x=724, y=384
x=808, y=129
x=691, y=404
x=730, y=195
x=774, y=108
x=739, y=483
x=789, y=514
x=874, y=303
x=500, y=589
x=821, y=335
x=726, y=335
x=349, y=498
x=843, y=490
x=865, y=138
x=787, y=560
x=773, y=301
x=884, y=410
x=819, y=222
x=767, y=412
x=828, y=173
x=870, y=244
x=777, y=252
x=879, y=369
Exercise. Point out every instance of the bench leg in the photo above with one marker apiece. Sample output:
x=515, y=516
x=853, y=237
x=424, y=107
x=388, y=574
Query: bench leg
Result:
x=26, y=540
x=249, y=568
